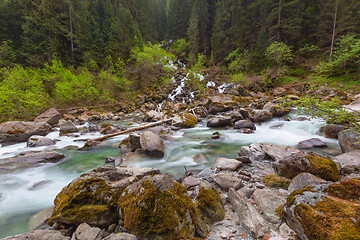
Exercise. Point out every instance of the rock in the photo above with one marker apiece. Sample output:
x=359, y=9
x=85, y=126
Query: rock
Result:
x=268, y=201
x=325, y=212
x=280, y=92
x=207, y=174
x=307, y=162
x=38, y=141
x=17, y=131
x=279, y=153
x=354, y=106
x=109, y=159
x=184, y=120
x=312, y=143
x=158, y=208
x=220, y=103
x=259, y=116
x=152, y=116
x=50, y=116
x=276, y=181
x=331, y=131
x=152, y=145
x=39, y=220
x=68, y=127
x=226, y=164
x=121, y=236
x=245, y=131
x=276, y=110
x=39, y=235
x=210, y=209
x=244, y=124
x=303, y=180
x=85, y=232
x=235, y=115
x=33, y=158
x=134, y=140
x=349, y=140
x=253, y=152
x=349, y=162
x=249, y=217
x=190, y=182
x=219, y=122
x=215, y=135
x=227, y=181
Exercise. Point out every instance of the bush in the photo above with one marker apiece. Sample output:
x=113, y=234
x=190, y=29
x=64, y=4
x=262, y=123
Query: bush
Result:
x=279, y=54
x=22, y=93
x=240, y=61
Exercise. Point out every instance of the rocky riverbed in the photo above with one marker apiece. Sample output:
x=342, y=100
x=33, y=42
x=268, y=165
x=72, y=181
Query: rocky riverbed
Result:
x=234, y=165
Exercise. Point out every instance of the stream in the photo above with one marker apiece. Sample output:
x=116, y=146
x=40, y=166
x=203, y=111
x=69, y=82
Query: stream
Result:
x=25, y=192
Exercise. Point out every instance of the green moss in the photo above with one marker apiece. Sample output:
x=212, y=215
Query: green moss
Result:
x=348, y=190
x=330, y=219
x=291, y=198
x=188, y=120
x=209, y=203
x=106, y=129
x=154, y=214
x=16, y=131
x=323, y=167
x=88, y=200
x=276, y=181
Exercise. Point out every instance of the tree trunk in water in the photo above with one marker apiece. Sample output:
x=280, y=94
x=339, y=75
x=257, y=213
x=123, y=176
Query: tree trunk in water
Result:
x=334, y=29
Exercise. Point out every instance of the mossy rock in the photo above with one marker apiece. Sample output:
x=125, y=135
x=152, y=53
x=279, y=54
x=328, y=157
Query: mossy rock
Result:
x=325, y=212
x=276, y=181
x=86, y=199
x=323, y=167
x=185, y=120
x=158, y=208
x=210, y=209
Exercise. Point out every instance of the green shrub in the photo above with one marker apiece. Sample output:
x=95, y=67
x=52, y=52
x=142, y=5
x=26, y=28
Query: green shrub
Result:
x=22, y=93
x=279, y=53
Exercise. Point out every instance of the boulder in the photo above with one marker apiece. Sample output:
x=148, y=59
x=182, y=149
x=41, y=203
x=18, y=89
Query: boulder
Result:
x=331, y=131
x=184, y=120
x=307, y=162
x=275, y=181
x=50, y=116
x=39, y=235
x=349, y=162
x=38, y=141
x=32, y=158
x=349, y=140
x=152, y=116
x=303, y=180
x=68, y=127
x=134, y=140
x=325, y=212
x=354, y=106
x=249, y=217
x=158, y=208
x=152, y=145
x=219, y=121
x=253, y=152
x=190, y=182
x=276, y=110
x=85, y=232
x=121, y=236
x=259, y=116
x=244, y=124
x=226, y=164
x=210, y=209
x=220, y=103
x=268, y=202
x=312, y=143
x=18, y=131
x=279, y=153
x=227, y=181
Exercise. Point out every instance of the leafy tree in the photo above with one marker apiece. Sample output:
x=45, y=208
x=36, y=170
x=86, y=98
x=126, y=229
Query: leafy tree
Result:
x=279, y=53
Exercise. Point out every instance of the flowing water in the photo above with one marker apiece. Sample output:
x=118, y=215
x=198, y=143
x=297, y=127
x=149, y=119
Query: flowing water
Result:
x=28, y=191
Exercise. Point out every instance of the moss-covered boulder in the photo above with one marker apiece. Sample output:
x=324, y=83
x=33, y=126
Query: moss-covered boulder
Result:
x=224, y=102
x=313, y=163
x=158, y=208
x=210, y=209
x=325, y=212
x=275, y=181
x=184, y=120
x=86, y=200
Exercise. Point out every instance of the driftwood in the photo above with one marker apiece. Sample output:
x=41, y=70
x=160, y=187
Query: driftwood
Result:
x=88, y=143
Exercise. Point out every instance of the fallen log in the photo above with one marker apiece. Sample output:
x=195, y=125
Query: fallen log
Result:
x=88, y=143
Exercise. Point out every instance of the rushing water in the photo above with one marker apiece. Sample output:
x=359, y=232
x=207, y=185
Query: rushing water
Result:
x=28, y=191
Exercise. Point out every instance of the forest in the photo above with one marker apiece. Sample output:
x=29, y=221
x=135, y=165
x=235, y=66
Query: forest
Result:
x=81, y=52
